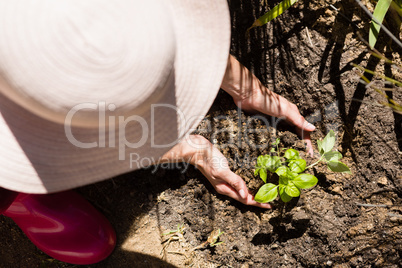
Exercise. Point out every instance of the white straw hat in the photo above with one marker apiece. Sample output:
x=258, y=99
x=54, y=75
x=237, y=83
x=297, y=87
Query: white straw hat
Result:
x=96, y=88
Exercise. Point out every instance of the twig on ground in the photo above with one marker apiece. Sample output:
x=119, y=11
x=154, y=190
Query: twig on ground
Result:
x=308, y=37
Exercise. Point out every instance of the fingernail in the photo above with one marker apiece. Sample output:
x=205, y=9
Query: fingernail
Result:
x=242, y=194
x=310, y=126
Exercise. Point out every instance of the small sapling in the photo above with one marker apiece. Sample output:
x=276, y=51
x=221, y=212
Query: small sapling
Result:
x=290, y=167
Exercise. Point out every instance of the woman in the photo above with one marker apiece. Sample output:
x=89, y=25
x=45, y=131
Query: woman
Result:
x=85, y=85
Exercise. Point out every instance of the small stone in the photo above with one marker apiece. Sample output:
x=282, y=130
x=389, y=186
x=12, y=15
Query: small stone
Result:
x=382, y=181
x=328, y=12
x=329, y=263
x=274, y=246
x=337, y=189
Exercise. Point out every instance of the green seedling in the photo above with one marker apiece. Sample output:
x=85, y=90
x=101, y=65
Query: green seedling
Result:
x=212, y=240
x=180, y=228
x=176, y=235
x=290, y=168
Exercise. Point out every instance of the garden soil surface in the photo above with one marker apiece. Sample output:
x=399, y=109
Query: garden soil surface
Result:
x=344, y=221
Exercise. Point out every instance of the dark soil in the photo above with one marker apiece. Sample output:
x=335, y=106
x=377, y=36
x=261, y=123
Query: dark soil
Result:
x=345, y=221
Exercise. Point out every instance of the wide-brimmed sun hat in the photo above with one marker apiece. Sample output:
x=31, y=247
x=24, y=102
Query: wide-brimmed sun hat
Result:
x=96, y=88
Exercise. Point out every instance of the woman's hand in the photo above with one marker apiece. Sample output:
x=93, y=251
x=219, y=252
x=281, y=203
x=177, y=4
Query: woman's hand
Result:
x=250, y=95
x=202, y=154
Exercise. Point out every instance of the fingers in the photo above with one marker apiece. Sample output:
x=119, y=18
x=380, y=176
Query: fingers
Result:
x=291, y=114
x=303, y=128
x=226, y=189
x=232, y=185
x=306, y=137
x=299, y=122
x=310, y=149
x=224, y=180
x=237, y=183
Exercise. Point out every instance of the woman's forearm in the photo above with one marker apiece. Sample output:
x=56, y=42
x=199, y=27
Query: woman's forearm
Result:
x=238, y=81
x=251, y=95
x=248, y=92
x=190, y=150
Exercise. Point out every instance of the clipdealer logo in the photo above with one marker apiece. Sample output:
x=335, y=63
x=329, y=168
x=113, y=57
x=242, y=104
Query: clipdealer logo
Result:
x=114, y=127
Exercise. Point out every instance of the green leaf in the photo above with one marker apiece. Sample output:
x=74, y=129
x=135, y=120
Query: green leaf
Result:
x=338, y=166
x=379, y=13
x=260, y=161
x=332, y=156
x=283, y=180
x=273, y=163
x=284, y=196
x=319, y=145
x=328, y=142
x=292, y=190
x=268, y=162
x=292, y=175
x=297, y=166
x=305, y=181
x=267, y=193
x=285, y=175
x=282, y=171
x=291, y=154
x=263, y=174
x=273, y=13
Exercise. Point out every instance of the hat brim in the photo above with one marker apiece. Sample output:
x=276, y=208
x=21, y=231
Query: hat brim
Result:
x=38, y=157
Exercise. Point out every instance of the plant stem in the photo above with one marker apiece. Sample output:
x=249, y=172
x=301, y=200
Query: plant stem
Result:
x=319, y=160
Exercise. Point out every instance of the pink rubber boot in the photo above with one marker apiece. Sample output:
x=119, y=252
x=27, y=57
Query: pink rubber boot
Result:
x=63, y=225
